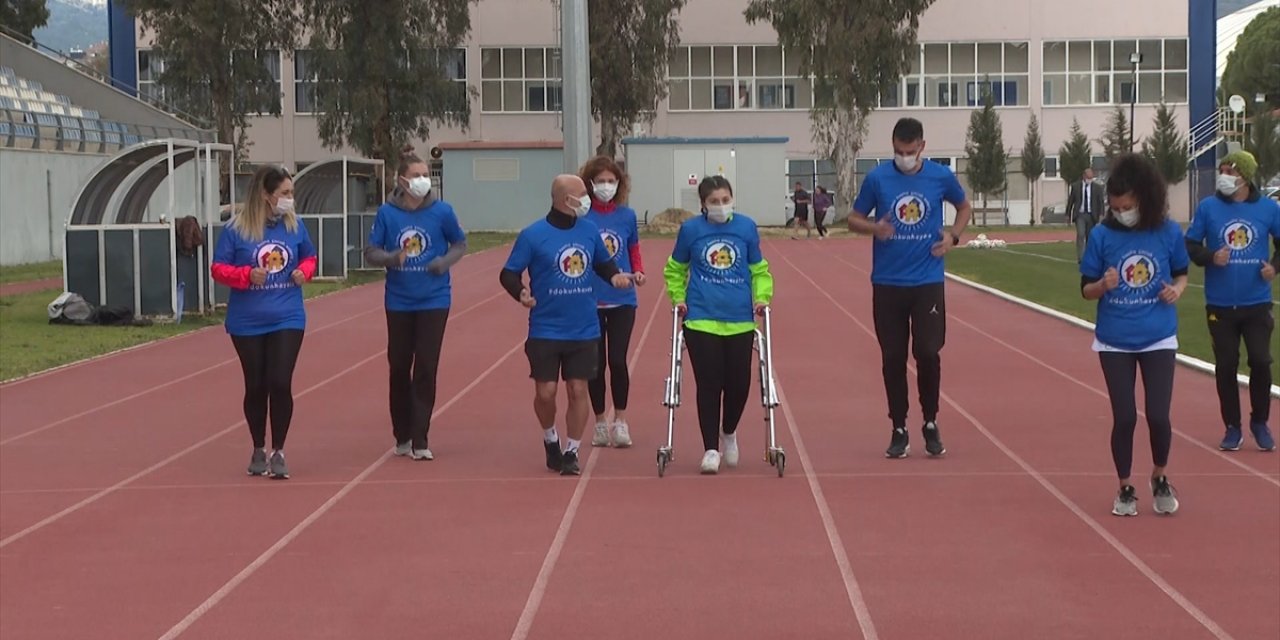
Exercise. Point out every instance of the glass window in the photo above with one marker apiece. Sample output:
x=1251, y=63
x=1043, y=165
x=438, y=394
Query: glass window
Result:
x=515, y=80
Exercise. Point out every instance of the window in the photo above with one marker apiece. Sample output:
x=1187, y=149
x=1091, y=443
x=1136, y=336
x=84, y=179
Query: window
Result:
x=1099, y=72
x=261, y=95
x=811, y=173
x=515, y=80
x=307, y=83
x=961, y=74
x=742, y=77
x=150, y=66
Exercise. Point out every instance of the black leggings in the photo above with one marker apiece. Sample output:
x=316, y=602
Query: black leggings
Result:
x=915, y=316
x=615, y=336
x=1227, y=327
x=413, y=353
x=268, y=361
x=818, y=218
x=722, y=371
x=1120, y=371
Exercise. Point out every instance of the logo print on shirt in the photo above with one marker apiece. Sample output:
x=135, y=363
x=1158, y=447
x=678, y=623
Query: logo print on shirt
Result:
x=572, y=262
x=611, y=242
x=414, y=242
x=721, y=255
x=1238, y=236
x=273, y=257
x=1137, y=271
x=910, y=209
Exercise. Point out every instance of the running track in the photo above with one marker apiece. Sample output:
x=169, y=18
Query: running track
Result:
x=125, y=511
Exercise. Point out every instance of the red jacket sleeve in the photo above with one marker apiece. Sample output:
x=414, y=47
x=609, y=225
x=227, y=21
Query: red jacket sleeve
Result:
x=308, y=267
x=232, y=276
x=637, y=266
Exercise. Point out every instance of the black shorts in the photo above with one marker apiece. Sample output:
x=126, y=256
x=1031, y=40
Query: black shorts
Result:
x=802, y=215
x=566, y=359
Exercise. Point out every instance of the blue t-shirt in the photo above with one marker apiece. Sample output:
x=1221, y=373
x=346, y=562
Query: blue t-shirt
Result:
x=719, y=258
x=1132, y=316
x=1245, y=227
x=277, y=303
x=619, y=232
x=913, y=203
x=561, y=265
x=425, y=235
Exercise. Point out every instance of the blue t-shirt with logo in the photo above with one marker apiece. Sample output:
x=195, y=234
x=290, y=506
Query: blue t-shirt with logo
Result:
x=719, y=258
x=424, y=235
x=1246, y=227
x=561, y=265
x=619, y=232
x=276, y=304
x=1132, y=316
x=913, y=204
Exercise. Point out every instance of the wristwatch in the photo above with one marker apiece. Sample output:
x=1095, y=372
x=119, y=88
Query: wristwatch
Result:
x=955, y=239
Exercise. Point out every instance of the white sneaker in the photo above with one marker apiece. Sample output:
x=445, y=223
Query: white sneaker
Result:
x=423, y=454
x=711, y=461
x=621, y=436
x=404, y=448
x=601, y=439
x=731, y=449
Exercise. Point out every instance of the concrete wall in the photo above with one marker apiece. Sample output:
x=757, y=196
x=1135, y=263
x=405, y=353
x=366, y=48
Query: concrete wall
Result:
x=39, y=189
x=661, y=172
x=502, y=203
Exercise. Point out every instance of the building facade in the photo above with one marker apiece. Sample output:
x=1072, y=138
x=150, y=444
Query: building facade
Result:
x=1063, y=62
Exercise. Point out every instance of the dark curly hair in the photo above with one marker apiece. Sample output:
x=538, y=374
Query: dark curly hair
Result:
x=599, y=165
x=1133, y=174
x=710, y=184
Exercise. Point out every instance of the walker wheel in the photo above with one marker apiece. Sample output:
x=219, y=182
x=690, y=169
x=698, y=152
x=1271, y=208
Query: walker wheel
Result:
x=781, y=460
x=663, y=459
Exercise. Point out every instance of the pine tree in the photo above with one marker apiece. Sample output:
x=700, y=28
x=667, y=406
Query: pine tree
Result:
x=1032, y=161
x=1167, y=148
x=856, y=52
x=1115, y=138
x=1075, y=155
x=22, y=17
x=1264, y=144
x=984, y=145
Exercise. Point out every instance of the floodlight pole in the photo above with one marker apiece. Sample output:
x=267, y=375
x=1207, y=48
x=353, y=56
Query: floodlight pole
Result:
x=576, y=62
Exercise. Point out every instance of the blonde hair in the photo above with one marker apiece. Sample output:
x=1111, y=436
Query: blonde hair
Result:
x=251, y=222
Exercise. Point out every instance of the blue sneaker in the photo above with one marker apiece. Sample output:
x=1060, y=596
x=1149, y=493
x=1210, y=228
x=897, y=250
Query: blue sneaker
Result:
x=1231, y=441
x=1262, y=435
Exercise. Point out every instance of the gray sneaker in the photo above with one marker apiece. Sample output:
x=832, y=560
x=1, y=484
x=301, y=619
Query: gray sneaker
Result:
x=278, y=469
x=404, y=448
x=1165, y=499
x=423, y=454
x=258, y=463
x=1126, y=503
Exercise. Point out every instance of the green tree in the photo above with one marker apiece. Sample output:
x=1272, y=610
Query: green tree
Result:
x=22, y=17
x=856, y=52
x=1075, y=155
x=1115, y=137
x=1264, y=144
x=988, y=161
x=1253, y=67
x=215, y=60
x=631, y=43
x=386, y=71
x=1166, y=147
x=1032, y=161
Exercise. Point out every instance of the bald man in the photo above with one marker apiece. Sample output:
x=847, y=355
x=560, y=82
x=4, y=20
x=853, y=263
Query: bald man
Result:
x=560, y=252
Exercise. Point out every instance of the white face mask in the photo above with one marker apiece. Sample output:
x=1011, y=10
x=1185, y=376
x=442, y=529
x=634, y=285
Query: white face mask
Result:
x=419, y=186
x=906, y=163
x=284, y=206
x=605, y=190
x=1227, y=185
x=1128, y=217
x=719, y=214
x=580, y=206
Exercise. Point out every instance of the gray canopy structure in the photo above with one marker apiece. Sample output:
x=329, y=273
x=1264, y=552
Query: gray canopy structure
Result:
x=121, y=245
x=338, y=199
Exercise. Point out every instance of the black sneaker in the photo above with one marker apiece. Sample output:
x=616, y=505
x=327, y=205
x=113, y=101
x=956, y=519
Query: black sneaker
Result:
x=900, y=445
x=933, y=439
x=553, y=455
x=569, y=464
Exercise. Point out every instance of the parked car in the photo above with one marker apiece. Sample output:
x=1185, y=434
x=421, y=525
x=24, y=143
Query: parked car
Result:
x=1055, y=213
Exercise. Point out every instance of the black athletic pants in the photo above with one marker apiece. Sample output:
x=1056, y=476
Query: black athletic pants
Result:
x=616, y=324
x=268, y=361
x=917, y=315
x=819, y=217
x=1227, y=326
x=722, y=372
x=1120, y=371
x=413, y=352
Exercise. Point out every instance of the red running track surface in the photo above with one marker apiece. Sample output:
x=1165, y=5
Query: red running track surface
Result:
x=125, y=511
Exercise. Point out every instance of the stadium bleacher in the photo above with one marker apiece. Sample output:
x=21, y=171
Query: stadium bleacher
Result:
x=32, y=118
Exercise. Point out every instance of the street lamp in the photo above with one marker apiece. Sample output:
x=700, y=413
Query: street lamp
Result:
x=1136, y=59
